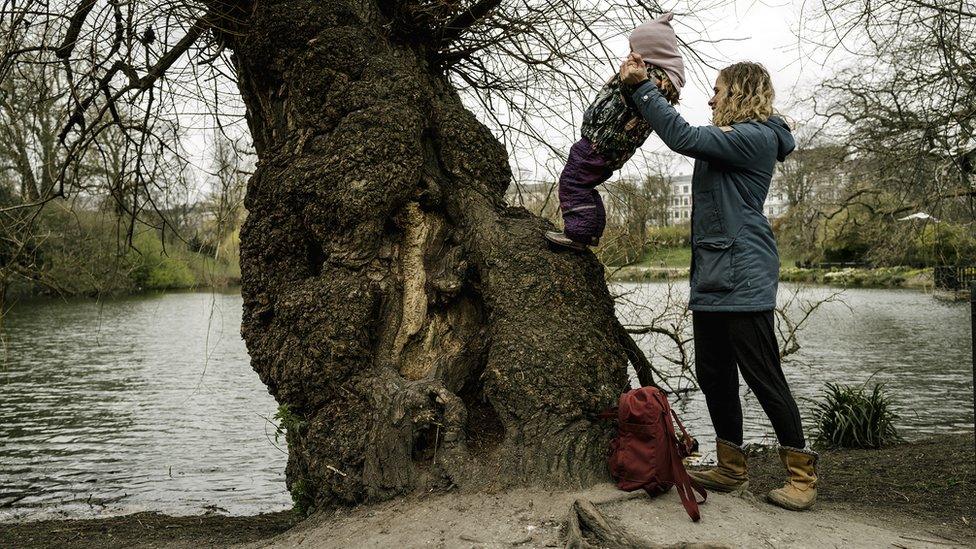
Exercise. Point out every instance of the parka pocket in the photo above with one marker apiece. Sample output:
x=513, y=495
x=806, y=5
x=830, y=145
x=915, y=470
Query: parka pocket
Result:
x=713, y=266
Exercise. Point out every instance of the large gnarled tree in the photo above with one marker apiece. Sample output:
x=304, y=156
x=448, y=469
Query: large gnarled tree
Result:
x=417, y=330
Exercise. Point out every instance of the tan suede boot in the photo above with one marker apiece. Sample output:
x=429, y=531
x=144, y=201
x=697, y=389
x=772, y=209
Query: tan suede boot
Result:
x=800, y=491
x=730, y=474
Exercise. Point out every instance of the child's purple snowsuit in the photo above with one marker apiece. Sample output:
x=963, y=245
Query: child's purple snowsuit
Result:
x=584, y=216
x=611, y=133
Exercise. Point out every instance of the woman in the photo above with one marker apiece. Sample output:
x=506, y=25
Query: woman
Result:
x=734, y=267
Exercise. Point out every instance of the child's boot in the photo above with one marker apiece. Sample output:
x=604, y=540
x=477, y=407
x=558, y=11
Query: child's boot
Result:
x=731, y=473
x=560, y=239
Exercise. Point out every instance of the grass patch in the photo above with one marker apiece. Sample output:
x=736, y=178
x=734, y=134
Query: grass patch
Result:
x=666, y=257
x=208, y=271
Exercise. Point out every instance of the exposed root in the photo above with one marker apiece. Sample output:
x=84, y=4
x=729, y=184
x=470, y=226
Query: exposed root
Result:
x=588, y=528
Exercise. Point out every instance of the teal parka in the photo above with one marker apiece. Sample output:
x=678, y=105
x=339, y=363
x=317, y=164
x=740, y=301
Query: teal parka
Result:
x=734, y=264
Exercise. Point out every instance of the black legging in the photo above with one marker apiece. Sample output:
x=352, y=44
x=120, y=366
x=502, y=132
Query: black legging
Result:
x=724, y=339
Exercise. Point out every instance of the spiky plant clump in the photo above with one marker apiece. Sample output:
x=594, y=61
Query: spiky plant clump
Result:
x=850, y=416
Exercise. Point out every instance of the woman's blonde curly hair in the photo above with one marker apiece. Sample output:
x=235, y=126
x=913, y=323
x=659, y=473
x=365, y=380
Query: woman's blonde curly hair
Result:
x=750, y=94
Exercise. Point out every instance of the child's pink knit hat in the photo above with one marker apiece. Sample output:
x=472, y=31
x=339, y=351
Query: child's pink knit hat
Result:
x=656, y=42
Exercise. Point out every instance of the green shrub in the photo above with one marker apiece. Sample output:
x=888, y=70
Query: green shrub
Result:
x=940, y=244
x=851, y=417
x=880, y=277
x=154, y=268
x=81, y=254
x=291, y=423
x=86, y=252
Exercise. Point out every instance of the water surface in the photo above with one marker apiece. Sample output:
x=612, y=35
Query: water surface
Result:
x=144, y=403
x=149, y=403
x=916, y=345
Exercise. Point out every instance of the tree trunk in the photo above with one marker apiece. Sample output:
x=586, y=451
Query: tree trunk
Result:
x=419, y=330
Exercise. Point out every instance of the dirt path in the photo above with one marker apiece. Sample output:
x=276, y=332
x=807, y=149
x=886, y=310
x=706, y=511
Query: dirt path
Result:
x=524, y=518
x=920, y=494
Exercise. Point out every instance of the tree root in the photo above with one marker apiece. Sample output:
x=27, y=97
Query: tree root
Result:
x=588, y=528
x=645, y=370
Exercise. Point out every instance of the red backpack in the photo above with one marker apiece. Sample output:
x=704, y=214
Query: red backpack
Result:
x=646, y=454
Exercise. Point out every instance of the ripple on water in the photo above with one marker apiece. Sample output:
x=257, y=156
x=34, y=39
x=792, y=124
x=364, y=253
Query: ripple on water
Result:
x=135, y=404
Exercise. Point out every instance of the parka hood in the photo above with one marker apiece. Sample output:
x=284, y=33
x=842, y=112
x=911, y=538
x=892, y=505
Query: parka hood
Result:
x=783, y=135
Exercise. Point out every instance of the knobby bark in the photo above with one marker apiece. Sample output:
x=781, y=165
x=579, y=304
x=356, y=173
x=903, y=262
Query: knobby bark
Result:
x=418, y=326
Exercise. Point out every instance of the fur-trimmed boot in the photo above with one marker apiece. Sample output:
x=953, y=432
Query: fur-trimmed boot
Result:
x=800, y=491
x=731, y=473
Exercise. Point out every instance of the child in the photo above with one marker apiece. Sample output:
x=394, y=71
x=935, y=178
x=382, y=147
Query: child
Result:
x=612, y=132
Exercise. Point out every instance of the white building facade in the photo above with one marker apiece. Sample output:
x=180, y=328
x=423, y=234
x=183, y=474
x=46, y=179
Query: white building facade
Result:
x=679, y=210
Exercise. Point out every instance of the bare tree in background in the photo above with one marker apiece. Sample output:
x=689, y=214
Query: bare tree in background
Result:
x=417, y=326
x=812, y=180
x=634, y=204
x=906, y=106
x=225, y=201
x=29, y=157
x=658, y=315
x=40, y=172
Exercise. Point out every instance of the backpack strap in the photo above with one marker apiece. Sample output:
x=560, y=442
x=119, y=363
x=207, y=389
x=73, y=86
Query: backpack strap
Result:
x=686, y=488
x=686, y=441
x=683, y=483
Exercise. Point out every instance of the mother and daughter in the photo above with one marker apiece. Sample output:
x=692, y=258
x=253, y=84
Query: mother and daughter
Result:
x=735, y=264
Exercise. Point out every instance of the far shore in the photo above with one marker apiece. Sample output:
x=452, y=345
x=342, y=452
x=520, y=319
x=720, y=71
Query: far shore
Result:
x=850, y=277
x=878, y=277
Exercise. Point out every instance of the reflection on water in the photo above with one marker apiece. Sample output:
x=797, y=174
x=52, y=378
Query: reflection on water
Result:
x=148, y=403
x=917, y=346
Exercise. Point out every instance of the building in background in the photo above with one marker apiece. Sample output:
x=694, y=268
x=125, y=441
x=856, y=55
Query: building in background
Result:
x=776, y=202
x=543, y=197
x=680, y=209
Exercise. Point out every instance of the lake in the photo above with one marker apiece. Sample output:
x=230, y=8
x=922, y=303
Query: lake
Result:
x=149, y=403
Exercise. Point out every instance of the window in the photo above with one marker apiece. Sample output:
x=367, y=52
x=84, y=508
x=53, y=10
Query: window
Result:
x=686, y=189
x=686, y=214
x=686, y=201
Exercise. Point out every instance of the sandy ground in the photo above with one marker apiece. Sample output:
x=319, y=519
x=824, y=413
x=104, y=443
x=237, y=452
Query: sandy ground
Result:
x=524, y=518
x=919, y=494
